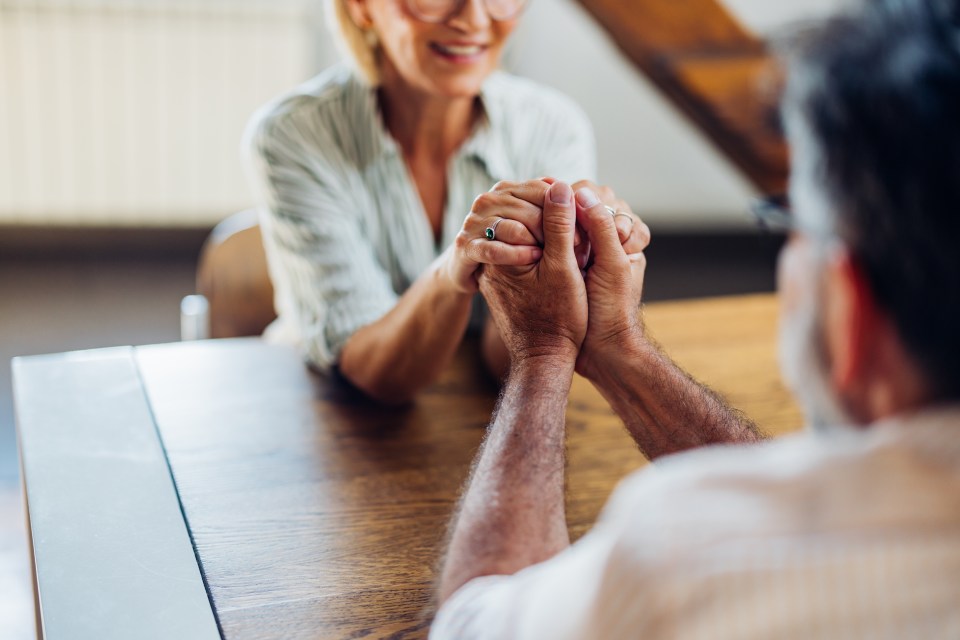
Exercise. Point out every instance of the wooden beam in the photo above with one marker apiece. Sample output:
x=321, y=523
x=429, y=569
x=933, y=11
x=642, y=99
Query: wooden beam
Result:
x=715, y=71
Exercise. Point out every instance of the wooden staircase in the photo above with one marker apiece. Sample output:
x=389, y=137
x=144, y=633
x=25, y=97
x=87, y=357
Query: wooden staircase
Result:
x=714, y=70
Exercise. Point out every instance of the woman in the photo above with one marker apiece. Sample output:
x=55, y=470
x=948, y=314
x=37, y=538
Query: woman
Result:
x=366, y=175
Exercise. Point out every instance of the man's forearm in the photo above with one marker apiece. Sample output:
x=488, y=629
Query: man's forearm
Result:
x=665, y=409
x=494, y=351
x=512, y=513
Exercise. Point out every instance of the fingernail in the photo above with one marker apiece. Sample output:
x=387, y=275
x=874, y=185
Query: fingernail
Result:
x=560, y=193
x=536, y=254
x=587, y=198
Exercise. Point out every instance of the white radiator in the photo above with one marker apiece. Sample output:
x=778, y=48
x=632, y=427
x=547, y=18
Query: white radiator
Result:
x=130, y=112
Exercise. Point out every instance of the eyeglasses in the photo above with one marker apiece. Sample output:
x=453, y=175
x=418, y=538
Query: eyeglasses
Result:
x=773, y=214
x=437, y=11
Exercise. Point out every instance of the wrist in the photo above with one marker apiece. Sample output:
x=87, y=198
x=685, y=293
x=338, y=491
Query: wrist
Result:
x=547, y=367
x=448, y=277
x=536, y=348
x=602, y=360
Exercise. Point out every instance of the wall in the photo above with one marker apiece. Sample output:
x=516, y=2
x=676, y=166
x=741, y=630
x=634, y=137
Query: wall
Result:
x=647, y=151
x=129, y=112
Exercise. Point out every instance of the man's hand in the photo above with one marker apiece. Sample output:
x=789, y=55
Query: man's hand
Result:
x=512, y=513
x=663, y=408
x=541, y=309
x=614, y=281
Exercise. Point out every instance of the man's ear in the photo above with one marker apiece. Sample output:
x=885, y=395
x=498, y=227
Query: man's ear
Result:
x=359, y=13
x=852, y=321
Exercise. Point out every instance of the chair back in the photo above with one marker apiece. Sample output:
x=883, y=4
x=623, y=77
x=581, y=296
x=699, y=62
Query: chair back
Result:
x=232, y=274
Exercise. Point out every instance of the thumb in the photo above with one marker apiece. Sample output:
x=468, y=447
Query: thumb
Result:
x=601, y=229
x=559, y=222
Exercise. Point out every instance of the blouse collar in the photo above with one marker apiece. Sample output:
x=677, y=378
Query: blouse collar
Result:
x=485, y=144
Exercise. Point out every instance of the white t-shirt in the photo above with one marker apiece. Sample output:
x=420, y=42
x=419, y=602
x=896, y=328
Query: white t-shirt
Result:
x=847, y=534
x=343, y=225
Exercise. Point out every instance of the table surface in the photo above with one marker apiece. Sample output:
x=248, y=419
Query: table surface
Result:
x=317, y=515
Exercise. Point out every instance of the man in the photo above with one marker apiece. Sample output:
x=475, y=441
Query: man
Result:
x=850, y=529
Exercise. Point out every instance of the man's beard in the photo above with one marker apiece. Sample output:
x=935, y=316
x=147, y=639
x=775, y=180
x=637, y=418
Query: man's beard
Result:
x=804, y=364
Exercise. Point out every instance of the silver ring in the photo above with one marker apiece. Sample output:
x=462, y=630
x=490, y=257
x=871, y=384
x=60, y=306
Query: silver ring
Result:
x=617, y=212
x=633, y=220
x=491, y=231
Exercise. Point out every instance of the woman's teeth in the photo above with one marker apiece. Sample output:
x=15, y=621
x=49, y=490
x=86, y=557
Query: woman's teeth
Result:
x=459, y=50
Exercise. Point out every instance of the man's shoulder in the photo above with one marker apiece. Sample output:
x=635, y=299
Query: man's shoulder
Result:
x=804, y=484
x=722, y=471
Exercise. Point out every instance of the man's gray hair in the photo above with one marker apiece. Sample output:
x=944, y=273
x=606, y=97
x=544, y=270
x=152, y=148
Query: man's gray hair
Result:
x=877, y=90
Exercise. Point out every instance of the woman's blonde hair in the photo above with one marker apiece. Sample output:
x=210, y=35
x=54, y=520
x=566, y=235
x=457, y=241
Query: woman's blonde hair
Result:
x=358, y=43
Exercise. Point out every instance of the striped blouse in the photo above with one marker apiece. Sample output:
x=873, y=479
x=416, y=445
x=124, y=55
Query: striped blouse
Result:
x=849, y=533
x=343, y=225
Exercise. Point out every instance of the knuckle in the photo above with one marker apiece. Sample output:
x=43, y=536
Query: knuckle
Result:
x=557, y=226
x=527, y=237
x=516, y=232
x=474, y=250
x=482, y=201
x=600, y=217
x=503, y=234
x=643, y=231
x=510, y=233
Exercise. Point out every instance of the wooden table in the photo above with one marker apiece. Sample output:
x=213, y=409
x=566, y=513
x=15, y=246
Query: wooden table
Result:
x=313, y=514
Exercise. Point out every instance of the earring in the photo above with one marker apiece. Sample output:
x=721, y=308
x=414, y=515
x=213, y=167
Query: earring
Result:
x=371, y=37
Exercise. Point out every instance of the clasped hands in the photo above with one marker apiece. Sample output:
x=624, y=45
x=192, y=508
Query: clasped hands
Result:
x=564, y=276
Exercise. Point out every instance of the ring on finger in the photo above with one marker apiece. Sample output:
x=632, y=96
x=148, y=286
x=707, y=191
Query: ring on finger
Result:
x=617, y=212
x=491, y=232
x=632, y=219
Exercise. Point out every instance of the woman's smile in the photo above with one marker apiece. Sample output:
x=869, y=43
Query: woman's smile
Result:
x=460, y=52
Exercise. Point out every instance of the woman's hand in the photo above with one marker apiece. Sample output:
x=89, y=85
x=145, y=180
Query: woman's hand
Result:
x=633, y=233
x=516, y=210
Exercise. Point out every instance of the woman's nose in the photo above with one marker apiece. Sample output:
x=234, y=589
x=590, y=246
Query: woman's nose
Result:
x=473, y=15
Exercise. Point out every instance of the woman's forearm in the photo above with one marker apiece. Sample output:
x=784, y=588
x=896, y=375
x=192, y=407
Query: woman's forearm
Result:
x=406, y=350
x=403, y=352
